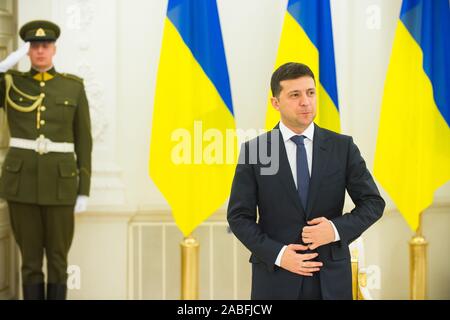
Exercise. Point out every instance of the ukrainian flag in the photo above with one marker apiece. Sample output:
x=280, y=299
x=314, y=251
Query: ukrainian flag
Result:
x=307, y=37
x=192, y=111
x=412, y=157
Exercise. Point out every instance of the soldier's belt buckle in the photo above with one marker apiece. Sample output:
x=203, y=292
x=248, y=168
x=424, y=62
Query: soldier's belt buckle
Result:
x=42, y=145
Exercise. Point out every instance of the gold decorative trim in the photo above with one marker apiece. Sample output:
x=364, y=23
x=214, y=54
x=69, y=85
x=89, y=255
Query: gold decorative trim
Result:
x=37, y=100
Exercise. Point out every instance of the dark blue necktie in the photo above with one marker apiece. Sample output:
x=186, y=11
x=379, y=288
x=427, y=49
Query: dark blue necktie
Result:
x=302, y=169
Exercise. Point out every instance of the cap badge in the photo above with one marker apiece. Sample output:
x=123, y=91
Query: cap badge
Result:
x=40, y=33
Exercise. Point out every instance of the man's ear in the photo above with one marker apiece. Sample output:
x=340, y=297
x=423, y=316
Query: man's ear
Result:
x=275, y=103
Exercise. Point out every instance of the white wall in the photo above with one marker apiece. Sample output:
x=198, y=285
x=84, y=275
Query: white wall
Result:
x=251, y=31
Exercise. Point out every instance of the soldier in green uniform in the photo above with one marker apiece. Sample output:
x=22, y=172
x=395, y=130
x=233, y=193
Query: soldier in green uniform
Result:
x=47, y=170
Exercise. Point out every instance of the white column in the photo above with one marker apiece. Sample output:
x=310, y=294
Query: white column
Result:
x=8, y=252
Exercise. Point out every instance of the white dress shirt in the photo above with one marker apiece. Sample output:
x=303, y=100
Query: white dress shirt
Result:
x=291, y=151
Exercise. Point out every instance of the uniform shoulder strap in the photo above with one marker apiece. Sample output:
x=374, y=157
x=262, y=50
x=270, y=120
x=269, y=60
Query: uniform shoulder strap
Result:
x=16, y=73
x=72, y=76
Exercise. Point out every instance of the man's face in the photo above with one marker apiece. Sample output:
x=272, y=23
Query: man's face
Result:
x=297, y=103
x=41, y=54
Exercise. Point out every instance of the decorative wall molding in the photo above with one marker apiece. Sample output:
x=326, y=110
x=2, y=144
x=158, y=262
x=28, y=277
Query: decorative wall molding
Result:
x=95, y=93
x=89, y=54
x=80, y=14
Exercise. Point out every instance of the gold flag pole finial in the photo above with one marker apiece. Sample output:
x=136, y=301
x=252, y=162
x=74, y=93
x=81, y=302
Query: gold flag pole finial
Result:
x=189, y=268
x=418, y=264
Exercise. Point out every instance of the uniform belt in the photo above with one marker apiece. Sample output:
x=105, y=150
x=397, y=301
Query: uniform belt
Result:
x=42, y=145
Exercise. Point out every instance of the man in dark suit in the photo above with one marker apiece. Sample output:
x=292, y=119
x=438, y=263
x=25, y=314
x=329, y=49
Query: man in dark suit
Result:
x=299, y=244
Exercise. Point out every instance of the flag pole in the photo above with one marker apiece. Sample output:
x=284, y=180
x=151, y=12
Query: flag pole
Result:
x=354, y=263
x=418, y=264
x=189, y=268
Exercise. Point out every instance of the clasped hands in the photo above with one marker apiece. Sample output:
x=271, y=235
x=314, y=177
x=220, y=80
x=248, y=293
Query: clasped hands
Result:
x=318, y=233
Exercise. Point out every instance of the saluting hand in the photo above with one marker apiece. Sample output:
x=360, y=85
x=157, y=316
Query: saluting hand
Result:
x=14, y=57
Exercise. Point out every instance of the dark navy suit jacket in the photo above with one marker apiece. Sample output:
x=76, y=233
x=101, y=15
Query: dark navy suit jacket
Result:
x=337, y=166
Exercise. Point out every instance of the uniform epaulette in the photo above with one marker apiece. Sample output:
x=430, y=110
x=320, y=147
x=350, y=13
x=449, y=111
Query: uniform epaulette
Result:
x=16, y=72
x=73, y=77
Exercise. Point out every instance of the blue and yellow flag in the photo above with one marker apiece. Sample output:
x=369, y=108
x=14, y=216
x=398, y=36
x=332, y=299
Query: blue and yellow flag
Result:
x=412, y=157
x=192, y=112
x=307, y=37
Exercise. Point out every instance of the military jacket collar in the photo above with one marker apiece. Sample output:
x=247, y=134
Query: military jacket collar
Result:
x=43, y=76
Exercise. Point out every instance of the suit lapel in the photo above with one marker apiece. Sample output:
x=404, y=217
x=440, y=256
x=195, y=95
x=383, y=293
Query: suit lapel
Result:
x=285, y=173
x=320, y=160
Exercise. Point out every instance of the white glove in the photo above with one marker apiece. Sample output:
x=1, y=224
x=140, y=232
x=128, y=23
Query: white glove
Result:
x=14, y=57
x=81, y=204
